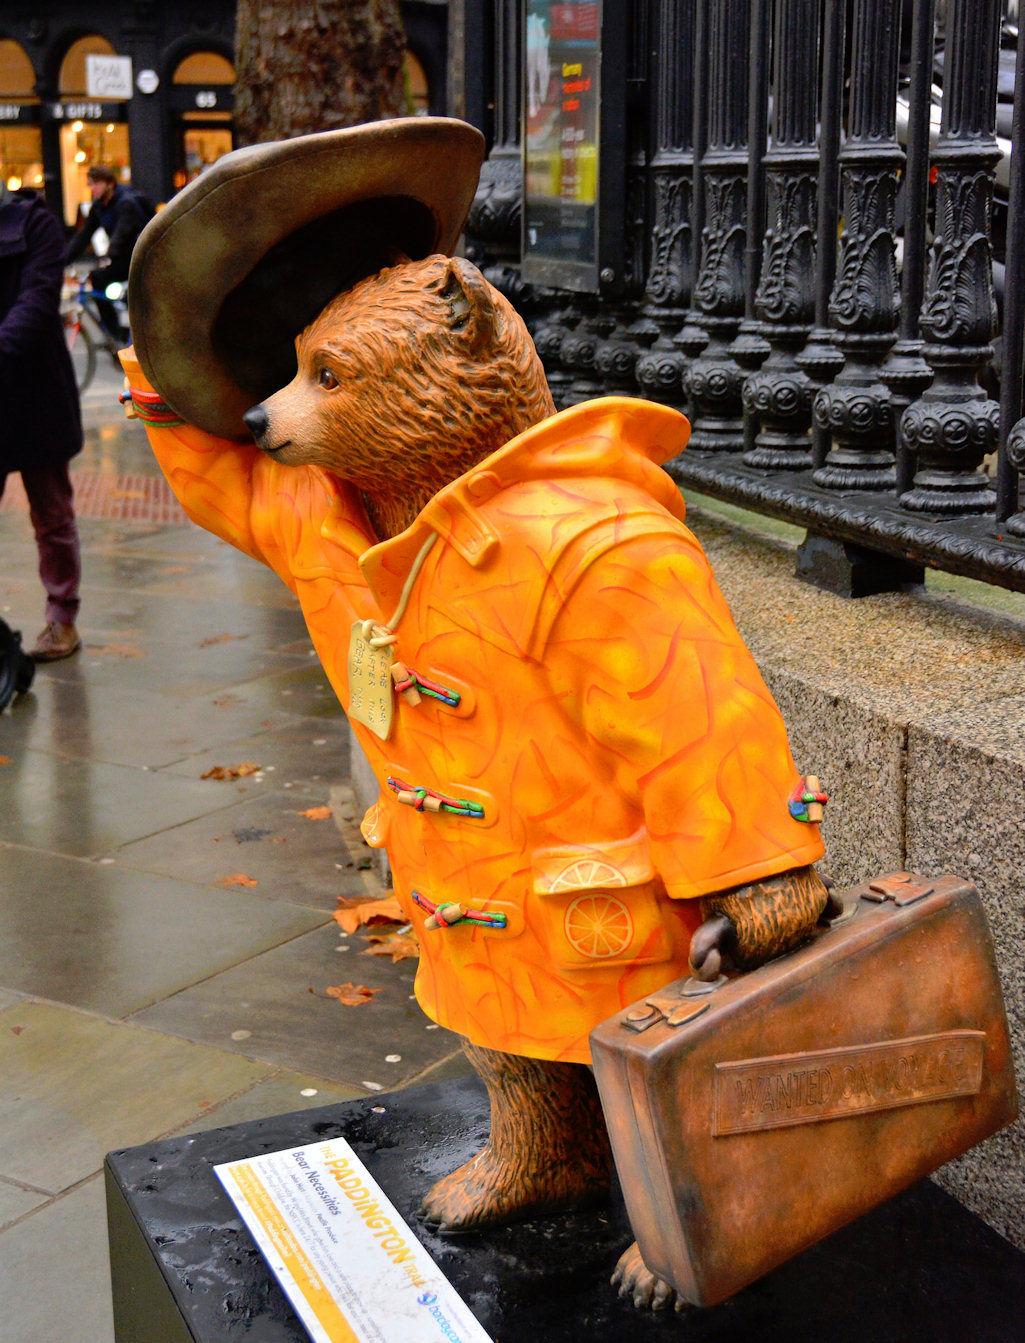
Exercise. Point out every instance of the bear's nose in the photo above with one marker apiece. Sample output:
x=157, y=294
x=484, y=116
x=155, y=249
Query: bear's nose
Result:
x=257, y=421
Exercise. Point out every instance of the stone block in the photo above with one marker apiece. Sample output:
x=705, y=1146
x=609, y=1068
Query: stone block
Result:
x=966, y=801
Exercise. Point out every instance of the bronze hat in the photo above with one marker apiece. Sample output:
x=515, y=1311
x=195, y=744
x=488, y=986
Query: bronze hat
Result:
x=226, y=276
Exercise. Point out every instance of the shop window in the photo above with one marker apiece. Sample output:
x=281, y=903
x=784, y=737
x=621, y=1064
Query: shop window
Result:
x=417, y=96
x=21, y=149
x=83, y=143
x=204, y=133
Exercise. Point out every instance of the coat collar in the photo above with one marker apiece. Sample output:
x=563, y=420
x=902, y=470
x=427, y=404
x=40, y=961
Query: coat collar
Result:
x=619, y=437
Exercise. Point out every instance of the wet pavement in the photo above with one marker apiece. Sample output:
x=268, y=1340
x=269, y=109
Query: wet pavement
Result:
x=167, y=939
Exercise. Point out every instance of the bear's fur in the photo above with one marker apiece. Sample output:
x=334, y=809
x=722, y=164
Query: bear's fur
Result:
x=370, y=403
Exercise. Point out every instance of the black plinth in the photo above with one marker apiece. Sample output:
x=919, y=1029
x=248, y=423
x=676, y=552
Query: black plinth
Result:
x=921, y=1269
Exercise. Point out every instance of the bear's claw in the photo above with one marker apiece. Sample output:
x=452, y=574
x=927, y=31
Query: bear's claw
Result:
x=636, y=1282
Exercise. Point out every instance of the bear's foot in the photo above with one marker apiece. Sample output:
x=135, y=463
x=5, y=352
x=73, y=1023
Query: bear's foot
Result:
x=548, y=1150
x=489, y=1191
x=636, y=1281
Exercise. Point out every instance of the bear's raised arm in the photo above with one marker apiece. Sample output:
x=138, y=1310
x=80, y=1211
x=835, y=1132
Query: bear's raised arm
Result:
x=234, y=491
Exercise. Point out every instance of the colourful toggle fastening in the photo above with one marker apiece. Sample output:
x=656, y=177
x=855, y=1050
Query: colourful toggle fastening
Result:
x=445, y=914
x=426, y=799
x=151, y=409
x=412, y=680
x=807, y=800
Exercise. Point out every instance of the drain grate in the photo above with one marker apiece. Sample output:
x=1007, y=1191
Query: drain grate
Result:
x=122, y=498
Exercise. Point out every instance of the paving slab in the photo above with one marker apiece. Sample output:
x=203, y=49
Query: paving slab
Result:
x=290, y=856
x=87, y=807
x=55, y=1272
x=284, y=1093
x=280, y=998
x=112, y=940
x=75, y=1086
x=71, y=718
x=15, y=1202
x=306, y=753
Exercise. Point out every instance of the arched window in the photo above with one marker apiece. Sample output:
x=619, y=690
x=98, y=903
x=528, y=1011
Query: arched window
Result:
x=87, y=136
x=21, y=152
x=204, y=83
x=417, y=96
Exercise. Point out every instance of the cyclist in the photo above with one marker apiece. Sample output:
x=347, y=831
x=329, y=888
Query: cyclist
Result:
x=123, y=215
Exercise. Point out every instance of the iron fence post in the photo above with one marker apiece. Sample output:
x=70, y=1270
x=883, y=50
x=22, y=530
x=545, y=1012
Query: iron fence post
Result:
x=953, y=424
x=659, y=369
x=779, y=397
x=856, y=408
x=714, y=380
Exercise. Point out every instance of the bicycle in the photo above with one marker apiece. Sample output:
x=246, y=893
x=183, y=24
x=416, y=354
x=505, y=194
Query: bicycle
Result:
x=84, y=333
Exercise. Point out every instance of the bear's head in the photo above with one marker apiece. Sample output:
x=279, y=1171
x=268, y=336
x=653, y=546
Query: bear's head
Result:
x=405, y=381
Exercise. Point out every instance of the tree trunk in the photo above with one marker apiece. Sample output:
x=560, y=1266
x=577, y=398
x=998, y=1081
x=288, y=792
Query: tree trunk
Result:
x=316, y=65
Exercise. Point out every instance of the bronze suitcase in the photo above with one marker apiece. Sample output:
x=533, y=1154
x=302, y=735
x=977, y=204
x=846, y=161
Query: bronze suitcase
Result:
x=749, y=1121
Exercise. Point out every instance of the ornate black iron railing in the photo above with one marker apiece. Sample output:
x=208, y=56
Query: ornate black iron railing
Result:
x=809, y=263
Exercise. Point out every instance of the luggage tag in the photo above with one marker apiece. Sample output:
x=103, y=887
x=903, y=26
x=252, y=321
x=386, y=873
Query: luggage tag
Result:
x=374, y=671
x=371, y=698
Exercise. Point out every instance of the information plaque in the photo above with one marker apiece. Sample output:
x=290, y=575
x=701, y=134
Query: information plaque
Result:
x=350, y=1265
x=573, y=145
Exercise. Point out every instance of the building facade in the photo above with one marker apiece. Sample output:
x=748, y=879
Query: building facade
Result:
x=69, y=98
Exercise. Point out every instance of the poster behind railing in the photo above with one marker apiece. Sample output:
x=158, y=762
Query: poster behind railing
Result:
x=345, y=1258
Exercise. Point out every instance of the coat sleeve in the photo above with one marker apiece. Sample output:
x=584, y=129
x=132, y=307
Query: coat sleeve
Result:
x=667, y=701
x=83, y=236
x=272, y=512
x=30, y=319
x=127, y=227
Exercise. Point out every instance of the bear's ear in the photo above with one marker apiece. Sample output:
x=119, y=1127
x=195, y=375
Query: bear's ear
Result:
x=468, y=295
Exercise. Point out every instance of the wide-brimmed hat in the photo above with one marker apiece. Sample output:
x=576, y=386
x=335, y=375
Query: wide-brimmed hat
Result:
x=226, y=276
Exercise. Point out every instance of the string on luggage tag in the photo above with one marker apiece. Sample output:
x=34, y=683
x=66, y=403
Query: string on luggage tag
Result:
x=377, y=636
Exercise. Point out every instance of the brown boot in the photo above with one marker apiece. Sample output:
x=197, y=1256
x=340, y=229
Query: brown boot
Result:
x=56, y=641
x=548, y=1150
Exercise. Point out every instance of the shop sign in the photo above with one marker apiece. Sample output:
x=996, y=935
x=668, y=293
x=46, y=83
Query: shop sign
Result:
x=108, y=76
x=77, y=111
x=18, y=112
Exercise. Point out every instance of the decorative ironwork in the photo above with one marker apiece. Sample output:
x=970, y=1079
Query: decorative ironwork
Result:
x=953, y=425
x=780, y=396
x=714, y=380
x=856, y=409
x=717, y=287
x=660, y=366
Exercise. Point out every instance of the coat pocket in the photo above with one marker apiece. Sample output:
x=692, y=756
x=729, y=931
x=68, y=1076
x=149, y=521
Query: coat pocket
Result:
x=599, y=904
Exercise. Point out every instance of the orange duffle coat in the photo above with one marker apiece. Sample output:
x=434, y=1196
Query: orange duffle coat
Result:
x=616, y=742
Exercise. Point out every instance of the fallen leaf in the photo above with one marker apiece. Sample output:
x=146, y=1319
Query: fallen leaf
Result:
x=17, y=1030
x=399, y=946
x=356, y=913
x=231, y=771
x=351, y=995
x=237, y=879
x=228, y=702
x=220, y=639
x=317, y=813
x=5, y=759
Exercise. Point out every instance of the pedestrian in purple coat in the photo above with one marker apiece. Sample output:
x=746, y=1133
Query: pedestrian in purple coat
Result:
x=40, y=419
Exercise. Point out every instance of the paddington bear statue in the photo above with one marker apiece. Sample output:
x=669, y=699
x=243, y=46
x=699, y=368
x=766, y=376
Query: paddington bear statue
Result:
x=585, y=786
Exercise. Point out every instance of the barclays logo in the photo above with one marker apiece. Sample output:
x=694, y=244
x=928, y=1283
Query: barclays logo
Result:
x=427, y=1298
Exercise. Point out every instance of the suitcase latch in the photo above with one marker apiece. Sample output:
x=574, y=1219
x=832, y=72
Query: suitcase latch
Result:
x=666, y=1008
x=903, y=888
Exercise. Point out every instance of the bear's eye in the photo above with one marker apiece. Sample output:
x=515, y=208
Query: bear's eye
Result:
x=327, y=379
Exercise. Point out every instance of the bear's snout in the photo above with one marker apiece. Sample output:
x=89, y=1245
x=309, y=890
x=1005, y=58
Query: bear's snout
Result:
x=257, y=422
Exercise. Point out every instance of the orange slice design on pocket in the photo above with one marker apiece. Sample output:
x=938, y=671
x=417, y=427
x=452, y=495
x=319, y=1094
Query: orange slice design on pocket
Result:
x=598, y=926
